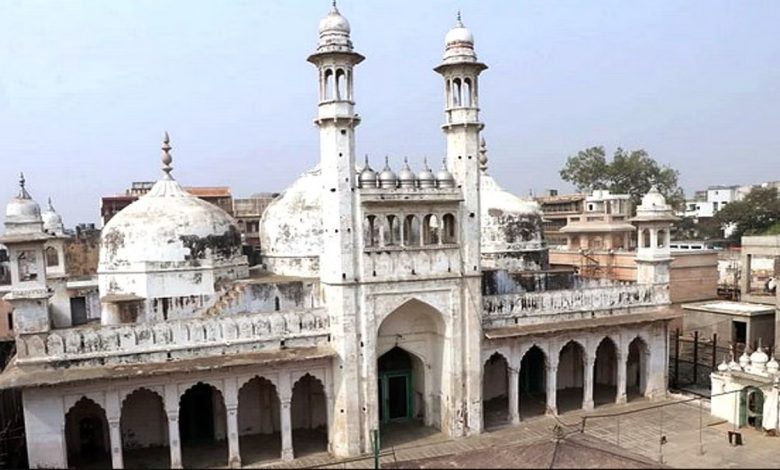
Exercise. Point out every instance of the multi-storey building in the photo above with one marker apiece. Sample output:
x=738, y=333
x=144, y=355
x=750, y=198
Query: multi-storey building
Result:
x=424, y=297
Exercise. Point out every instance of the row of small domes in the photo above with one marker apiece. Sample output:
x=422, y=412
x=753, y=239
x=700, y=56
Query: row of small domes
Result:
x=406, y=178
x=759, y=361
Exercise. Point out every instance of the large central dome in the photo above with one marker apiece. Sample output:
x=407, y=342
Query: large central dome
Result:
x=168, y=230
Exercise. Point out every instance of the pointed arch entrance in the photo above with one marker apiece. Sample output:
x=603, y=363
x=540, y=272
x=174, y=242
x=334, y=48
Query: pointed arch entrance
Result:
x=144, y=427
x=259, y=421
x=202, y=427
x=571, y=368
x=605, y=373
x=636, y=369
x=410, y=344
x=533, y=383
x=495, y=390
x=86, y=435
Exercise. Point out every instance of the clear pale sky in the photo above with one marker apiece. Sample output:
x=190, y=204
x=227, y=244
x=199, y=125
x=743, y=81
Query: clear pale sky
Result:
x=87, y=89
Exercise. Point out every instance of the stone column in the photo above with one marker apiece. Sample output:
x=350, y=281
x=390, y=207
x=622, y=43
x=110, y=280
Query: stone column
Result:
x=287, y=444
x=285, y=410
x=514, y=396
x=231, y=409
x=552, y=388
x=173, y=439
x=234, y=452
x=587, y=387
x=620, y=397
x=115, y=435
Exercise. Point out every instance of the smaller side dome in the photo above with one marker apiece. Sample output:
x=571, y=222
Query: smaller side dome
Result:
x=744, y=360
x=52, y=221
x=367, y=176
x=387, y=178
x=772, y=366
x=444, y=177
x=759, y=359
x=406, y=175
x=23, y=214
x=425, y=178
x=723, y=366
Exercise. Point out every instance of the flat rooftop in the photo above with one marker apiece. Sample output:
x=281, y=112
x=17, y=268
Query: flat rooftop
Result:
x=728, y=307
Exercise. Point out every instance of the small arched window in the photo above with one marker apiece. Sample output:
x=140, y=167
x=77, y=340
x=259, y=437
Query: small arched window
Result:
x=660, y=241
x=277, y=304
x=467, y=92
x=411, y=231
x=327, y=85
x=449, y=230
x=431, y=229
x=456, y=90
x=392, y=233
x=371, y=231
x=52, y=257
x=645, y=238
x=341, y=85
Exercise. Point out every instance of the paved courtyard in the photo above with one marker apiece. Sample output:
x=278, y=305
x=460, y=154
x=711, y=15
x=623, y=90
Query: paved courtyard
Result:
x=639, y=431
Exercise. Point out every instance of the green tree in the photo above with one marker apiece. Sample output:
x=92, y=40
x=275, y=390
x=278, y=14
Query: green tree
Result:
x=630, y=172
x=758, y=213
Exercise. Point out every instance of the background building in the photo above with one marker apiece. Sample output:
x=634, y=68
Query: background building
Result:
x=557, y=209
x=248, y=211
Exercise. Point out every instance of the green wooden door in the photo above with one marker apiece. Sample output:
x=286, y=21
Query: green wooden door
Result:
x=396, y=398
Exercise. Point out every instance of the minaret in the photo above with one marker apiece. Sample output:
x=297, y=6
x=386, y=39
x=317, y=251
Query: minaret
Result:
x=335, y=60
x=24, y=237
x=460, y=69
x=653, y=221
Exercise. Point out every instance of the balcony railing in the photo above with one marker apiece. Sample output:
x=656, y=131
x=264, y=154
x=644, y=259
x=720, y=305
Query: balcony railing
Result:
x=128, y=343
x=501, y=309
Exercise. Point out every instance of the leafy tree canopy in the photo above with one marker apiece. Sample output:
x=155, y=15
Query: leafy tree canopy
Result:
x=757, y=214
x=630, y=172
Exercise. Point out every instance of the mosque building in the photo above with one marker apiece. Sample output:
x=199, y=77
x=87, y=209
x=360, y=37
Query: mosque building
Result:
x=384, y=296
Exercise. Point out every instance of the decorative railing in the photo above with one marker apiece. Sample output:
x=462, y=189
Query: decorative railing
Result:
x=619, y=296
x=172, y=339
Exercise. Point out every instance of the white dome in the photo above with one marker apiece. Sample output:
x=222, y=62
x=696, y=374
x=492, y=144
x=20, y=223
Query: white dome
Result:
x=334, y=22
x=723, y=367
x=772, y=366
x=52, y=221
x=654, y=200
x=759, y=359
x=291, y=228
x=509, y=223
x=23, y=214
x=744, y=360
x=459, y=34
x=169, y=225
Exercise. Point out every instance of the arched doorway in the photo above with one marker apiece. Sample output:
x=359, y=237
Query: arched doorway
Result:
x=144, y=427
x=259, y=422
x=571, y=366
x=410, y=345
x=495, y=390
x=533, y=383
x=202, y=427
x=751, y=407
x=605, y=373
x=309, y=417
x=636, y=369
x=86, y=435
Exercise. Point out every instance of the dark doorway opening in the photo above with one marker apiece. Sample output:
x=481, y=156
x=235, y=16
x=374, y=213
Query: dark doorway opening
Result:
x=78, y=310
x=396, y=397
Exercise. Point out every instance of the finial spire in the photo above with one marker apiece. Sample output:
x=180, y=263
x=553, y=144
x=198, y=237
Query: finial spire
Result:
x=387, y=162
x=51, y=206
x=460, y=21
x=366, y=160
x=23, y=194
x=425, y=163
x=483, y=159
x=166, y=157
x=335, y=8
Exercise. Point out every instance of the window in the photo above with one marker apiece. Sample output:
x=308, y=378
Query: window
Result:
x=411, y=231
x=448, y=234
x=645, y=238
x=28, y=269
x=10, y=321
x=52, y=258
x=431, y=230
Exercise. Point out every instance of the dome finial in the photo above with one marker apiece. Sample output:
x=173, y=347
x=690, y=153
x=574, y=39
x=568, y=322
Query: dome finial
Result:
x=366, y=160
x=425, y=163
x=166, y=157
x=23, y=194
x=387, y=162
x=460, y=21
x=335, y=8
x=51, y=206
